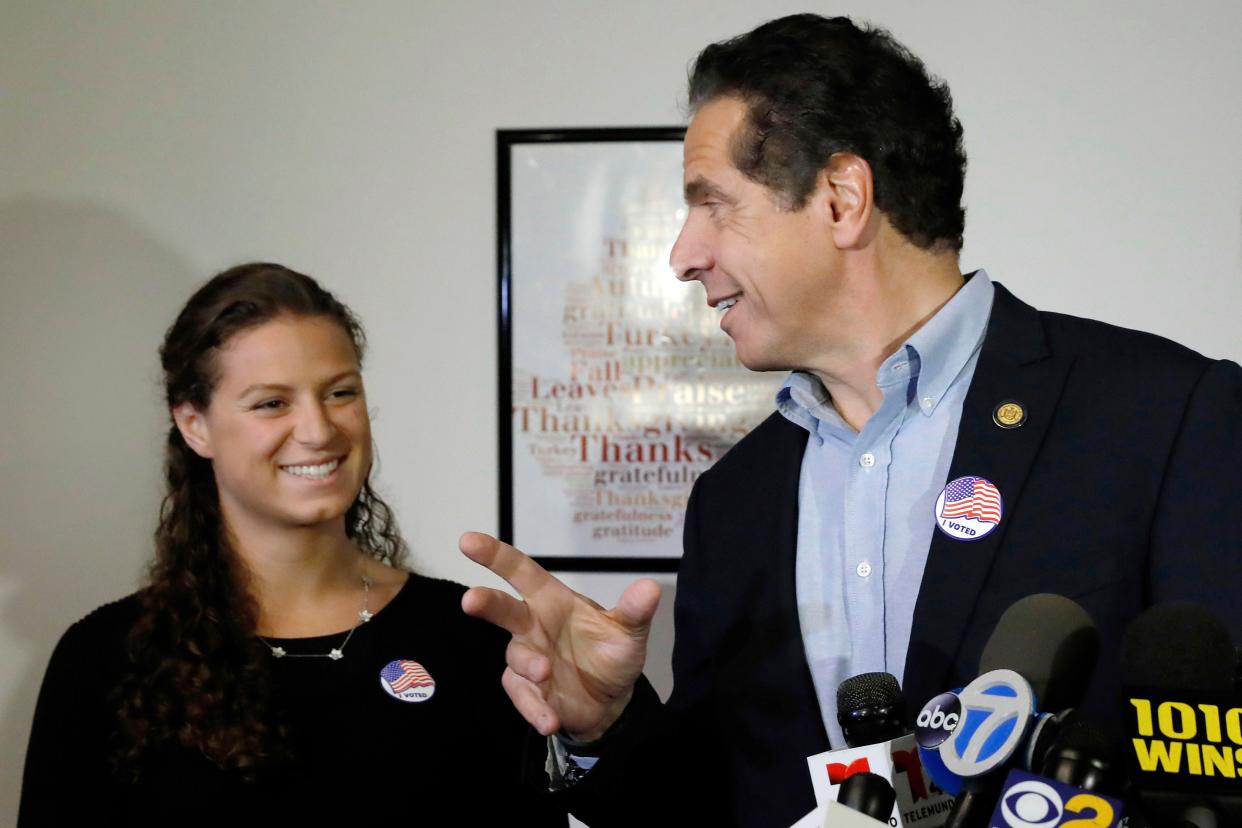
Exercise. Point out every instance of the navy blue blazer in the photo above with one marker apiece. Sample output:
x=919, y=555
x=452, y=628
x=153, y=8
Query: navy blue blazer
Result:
x=1123, y=488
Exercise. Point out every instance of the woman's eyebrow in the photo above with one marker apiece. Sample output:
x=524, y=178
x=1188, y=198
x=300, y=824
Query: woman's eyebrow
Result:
x=276, y=386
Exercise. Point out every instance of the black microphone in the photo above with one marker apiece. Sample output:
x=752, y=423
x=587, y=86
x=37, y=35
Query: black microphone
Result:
x=871, y=709
x=1083, y=755
x=1178, y=668
x=1178, y=645
x=872, y=712
x=868, y=793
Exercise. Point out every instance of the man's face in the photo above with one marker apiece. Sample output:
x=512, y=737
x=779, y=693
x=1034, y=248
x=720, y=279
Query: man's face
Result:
x=769, y=270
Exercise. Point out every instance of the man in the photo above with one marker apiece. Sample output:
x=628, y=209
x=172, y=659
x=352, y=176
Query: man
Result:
x=940, y=451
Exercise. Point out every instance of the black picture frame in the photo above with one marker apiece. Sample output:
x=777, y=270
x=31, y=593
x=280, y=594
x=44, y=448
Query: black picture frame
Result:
x=506, y=139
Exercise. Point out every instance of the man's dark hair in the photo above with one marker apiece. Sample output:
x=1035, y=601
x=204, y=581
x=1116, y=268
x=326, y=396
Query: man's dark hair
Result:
x=816, y=86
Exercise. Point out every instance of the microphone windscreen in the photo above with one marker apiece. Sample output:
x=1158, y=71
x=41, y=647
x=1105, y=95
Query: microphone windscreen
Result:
x=1083, y=755
x=1178, y=645
x=871, y=709
x=868, y=690
x=1050, y=641
x=1178, y=658
x=869, y=794
x=1086, y=737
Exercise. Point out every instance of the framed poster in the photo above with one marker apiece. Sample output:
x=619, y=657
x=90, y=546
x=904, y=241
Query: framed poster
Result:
x=617, y=388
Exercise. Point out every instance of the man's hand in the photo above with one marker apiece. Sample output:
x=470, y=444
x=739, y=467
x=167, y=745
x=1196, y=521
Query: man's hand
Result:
x=572, y=664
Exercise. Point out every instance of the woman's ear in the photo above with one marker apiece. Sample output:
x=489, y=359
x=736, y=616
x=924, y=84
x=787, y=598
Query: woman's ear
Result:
x=193, y=427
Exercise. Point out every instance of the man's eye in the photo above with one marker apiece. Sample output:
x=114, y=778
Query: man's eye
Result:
x=345, y=392
x=270, y=405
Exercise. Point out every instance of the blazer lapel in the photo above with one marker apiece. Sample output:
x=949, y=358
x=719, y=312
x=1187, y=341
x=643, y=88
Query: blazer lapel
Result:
x=1014, y=364
x=779, y=478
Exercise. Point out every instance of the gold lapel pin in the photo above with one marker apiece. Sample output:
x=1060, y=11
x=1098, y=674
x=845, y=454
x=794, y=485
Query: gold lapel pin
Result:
x=1009, y=414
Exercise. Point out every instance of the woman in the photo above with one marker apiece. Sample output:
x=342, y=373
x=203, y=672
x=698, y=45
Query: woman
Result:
x=281, y=664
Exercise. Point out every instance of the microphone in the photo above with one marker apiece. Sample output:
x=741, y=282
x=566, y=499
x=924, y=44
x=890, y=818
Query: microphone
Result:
x=1178, y=645
x=1052, y=642
x=836, y=815
x=1043, y=644
x=1030, y=801
x=868, y=794
x=866, y=801
x=870, y=709
x=1182, y=716
x=1078, y=763
x=998, y=708
x=872, y=713
x=1083, y=756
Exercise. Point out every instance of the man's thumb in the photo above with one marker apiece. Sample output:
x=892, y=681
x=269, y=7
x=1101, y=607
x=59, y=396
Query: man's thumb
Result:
x=637, y=605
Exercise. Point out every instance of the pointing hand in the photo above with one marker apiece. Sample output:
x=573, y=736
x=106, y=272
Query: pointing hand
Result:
x=572, y=665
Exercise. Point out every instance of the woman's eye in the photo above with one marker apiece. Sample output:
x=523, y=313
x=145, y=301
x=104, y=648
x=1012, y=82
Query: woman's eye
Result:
x=345, y=392
x=270, y=405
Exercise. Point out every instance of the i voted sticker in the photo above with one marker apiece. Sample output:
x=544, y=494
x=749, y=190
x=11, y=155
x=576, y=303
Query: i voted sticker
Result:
x=407, y=680
x=969, y=508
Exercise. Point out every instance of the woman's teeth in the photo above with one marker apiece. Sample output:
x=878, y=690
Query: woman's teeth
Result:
x=314, y=472
x=725, y=304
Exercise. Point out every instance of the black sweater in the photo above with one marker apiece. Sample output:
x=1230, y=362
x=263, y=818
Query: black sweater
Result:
x=364, y=755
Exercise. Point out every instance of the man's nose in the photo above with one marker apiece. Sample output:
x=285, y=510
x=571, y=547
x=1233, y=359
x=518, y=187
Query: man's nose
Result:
x=691, y=254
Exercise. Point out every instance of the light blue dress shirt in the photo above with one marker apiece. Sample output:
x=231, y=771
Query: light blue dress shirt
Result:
x=866, y=499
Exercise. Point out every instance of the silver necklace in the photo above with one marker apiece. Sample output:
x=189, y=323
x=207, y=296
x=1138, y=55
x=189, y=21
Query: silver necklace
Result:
x=336, y=653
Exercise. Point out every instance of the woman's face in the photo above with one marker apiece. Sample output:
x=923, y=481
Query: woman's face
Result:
x=287, y=429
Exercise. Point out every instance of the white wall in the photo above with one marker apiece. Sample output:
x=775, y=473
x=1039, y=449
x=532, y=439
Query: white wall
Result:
x=146, y=145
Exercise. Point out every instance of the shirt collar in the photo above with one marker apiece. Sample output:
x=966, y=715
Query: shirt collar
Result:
x=947, y=341
x=803, y=400
x=936, y=354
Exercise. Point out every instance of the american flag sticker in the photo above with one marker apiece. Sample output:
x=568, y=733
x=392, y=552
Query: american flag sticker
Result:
x=969, y=508
x=407, y=680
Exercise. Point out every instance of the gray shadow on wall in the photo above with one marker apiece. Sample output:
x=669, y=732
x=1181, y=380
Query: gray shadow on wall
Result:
x=659, y=668
x=85, y=297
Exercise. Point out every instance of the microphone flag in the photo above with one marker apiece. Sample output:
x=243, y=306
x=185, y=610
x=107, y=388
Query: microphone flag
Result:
x=1030, y=801
x=920, y=803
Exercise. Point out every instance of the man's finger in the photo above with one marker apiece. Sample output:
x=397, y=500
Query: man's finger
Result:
x=527, y=662
x=522, y=573
x=499, y=608
x=637, y=605
x=529, y=702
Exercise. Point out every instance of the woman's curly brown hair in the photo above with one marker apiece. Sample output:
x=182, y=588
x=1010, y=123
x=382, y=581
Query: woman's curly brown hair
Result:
x=198, y=677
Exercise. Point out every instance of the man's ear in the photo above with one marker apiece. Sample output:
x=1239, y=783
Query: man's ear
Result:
x=193, y=427
x=847, y=185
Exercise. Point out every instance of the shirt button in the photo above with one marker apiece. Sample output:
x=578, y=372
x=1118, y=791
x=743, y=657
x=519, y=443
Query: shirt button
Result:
x=927, y=402
x=867, y=460
x=863, y=570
